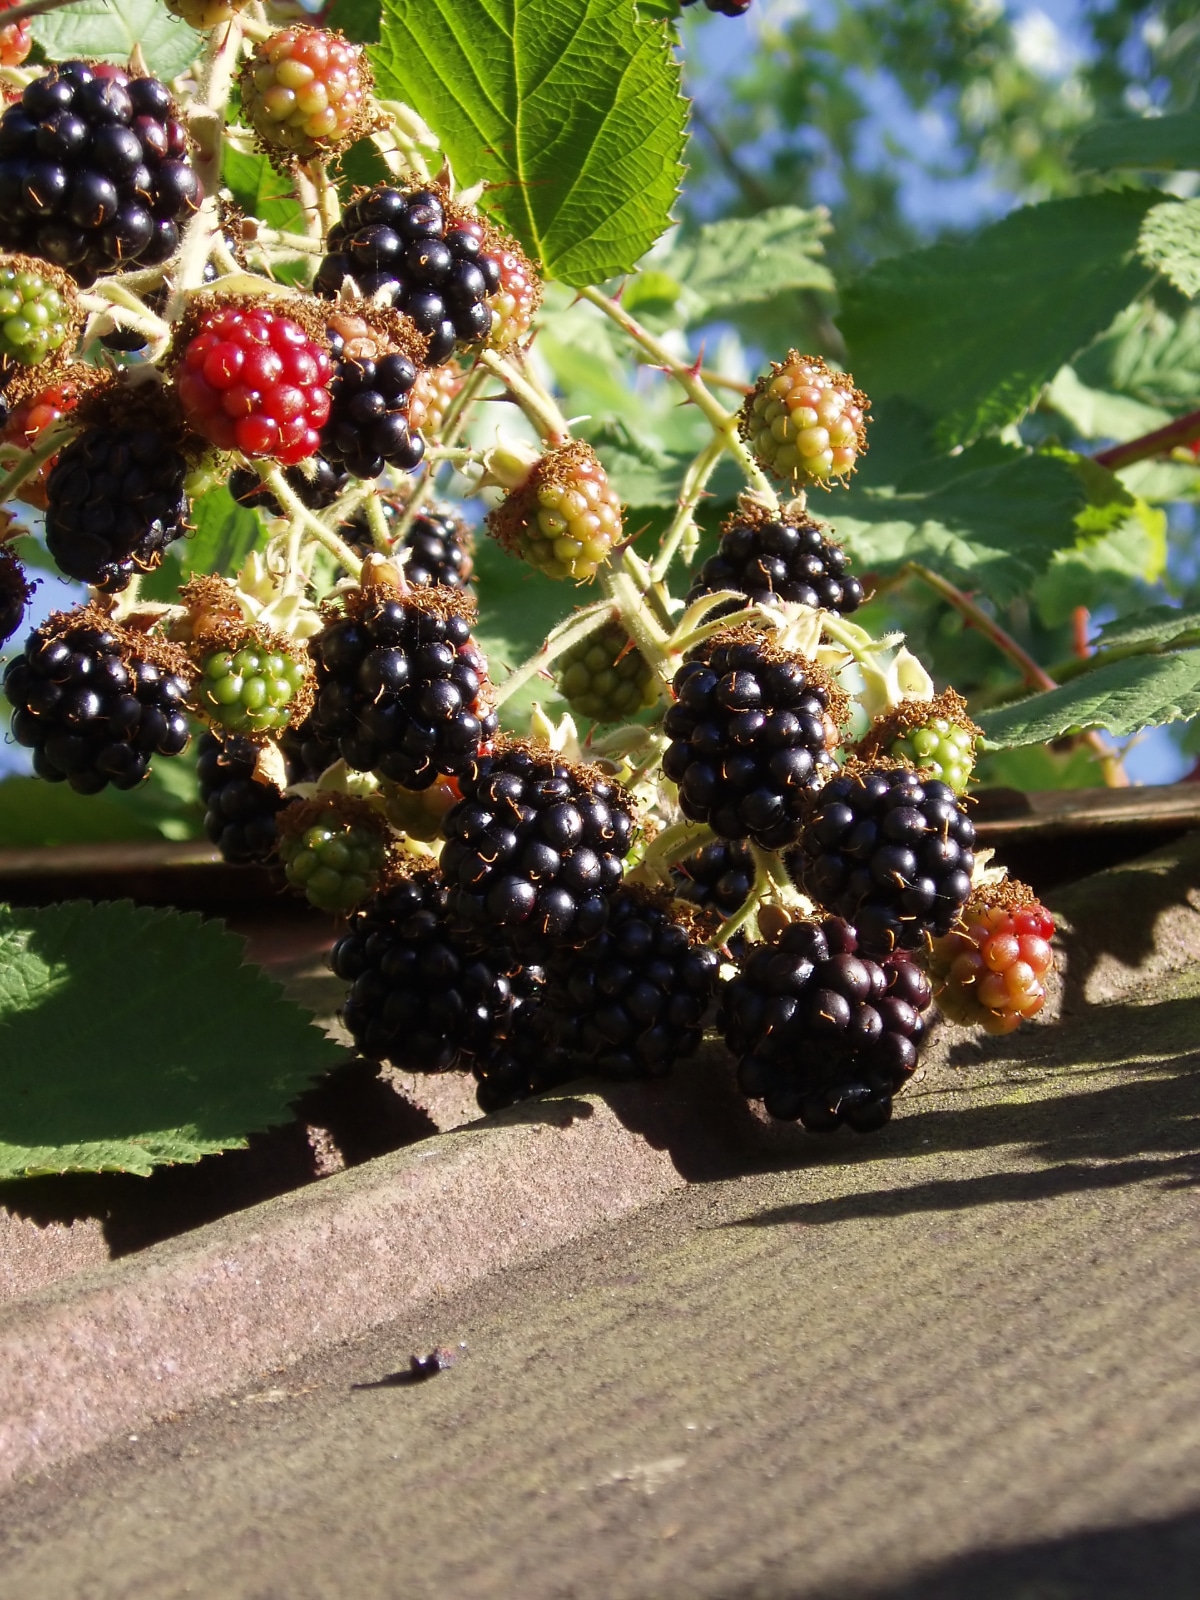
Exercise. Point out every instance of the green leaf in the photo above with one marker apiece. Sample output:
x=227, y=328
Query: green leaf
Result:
x=1099, y=414
x=260, y=190
x=571, y=108
x=993, y=526
x=1161, y=625
x=225, y=535
x=1170, y=243
x=972, y=332
x=1123, y=696
x=35, y=813
x=107, y=30
x=1152, y=144
x=1103, y=571
x=517, y=608
x=357, y=19
x=1149, y=355
x=131, y=1037
x=743, y=260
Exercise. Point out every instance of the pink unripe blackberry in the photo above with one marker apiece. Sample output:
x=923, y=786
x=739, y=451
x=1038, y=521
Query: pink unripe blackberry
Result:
x=16, y=40
x=430, y=399
x=306, y=91
x=805, y=422
x=515, y=302
x=565, y=518
x=990, y=970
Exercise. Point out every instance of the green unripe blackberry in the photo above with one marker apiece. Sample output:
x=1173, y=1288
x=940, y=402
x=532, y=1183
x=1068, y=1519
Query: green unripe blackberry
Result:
x=942, y=750
x=565, y=518
x=804, y=422
x=605, y=677
x=250, y=690
x=335, y=862
x=36, y=316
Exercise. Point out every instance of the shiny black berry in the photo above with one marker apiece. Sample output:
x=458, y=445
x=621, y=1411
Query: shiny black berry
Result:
x=718, y=876
x=400, y=687
x=430, y=266
x=750, y=732
x=92, y=707
x=316, y=483
x=436, y=551
x=524, y=1060
x=823, y=1033
x=240, y=808
x=115, y=501
x=368, y=430
x=891, y=851
x=536, y=848
x=779, y=558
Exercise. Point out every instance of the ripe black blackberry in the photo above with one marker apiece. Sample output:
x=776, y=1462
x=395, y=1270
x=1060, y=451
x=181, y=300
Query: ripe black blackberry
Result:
x=891, y=851
x=316, y=482
x=535, y=847
x=95, y=174
x=368, y=428
x=751, y=733
x=437, y=550
x=419, y=998
x=94, y=702
x=14, y=594
x=115, y=500
x=784, y=557
x=524, y=1060
x=718, y=876
x=401, y=686
x=631, y=1003
x=240, y=808
x=426, y=255
x=823, y=1033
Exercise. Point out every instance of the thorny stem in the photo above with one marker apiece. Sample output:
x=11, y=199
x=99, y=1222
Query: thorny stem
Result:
x=694, y=481
x=539, y=408
x=628, y=596
x=452, y=427
x=588, y=621
x=764, y=882
x=672, y=845
x=329, y=205
x=1159, y=442
x=295, y=508
x=724, y=423
x=377, y=522
x=206, y=122
x=1037, y=677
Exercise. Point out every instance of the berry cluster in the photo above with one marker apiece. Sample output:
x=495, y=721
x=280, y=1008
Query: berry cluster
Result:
x=823, y=1033
x=412, y=249
x=92, y=705
x=565, y=518
x=114, y=501
x=368, y=426
x=535, y=847
x=990, y=969
x=14, y=594
x=892, y=852
x=751, y=733
x=336, y=860
x=252, y=689
x=784, y=557
x=36, y=315
x=95, y=173
x=605, y=677
x=305, y=91
x=240, y=808
x=401, y=687
x=717, y=877
x=255, y=381
x=804, y=422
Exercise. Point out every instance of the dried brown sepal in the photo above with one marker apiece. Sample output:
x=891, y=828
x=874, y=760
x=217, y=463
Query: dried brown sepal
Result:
x=332, y=805
x=26, y=383
x=1010, y=895
x=910, y=715
x=584, y=773
x=838, y=701
x=755, y=513
x=435, y=601
x=517, y=512
x=132, y=644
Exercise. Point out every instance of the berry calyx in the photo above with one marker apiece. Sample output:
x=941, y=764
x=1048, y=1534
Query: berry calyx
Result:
x=891, y=851
x=240, y=805
x=97, y=171
x=94, y=701
x=16, y=38
x=823, y=1033
x=306, y=92
x=251, y=689
x=804, y=422
x=990, y=969
x=769, y=556
x=14, y=594
x=565, y=518
x=38, y=311
x=334, y=850
x=536, y=847
x=254, y=380
x=935, y=736
x=402, y=689
x=752, y=732
x=605, y=677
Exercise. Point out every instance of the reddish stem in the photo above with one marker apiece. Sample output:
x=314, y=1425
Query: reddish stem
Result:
x=1183, y=431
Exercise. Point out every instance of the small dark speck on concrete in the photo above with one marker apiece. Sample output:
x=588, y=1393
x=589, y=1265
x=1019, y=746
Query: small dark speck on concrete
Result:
x=418, y=1370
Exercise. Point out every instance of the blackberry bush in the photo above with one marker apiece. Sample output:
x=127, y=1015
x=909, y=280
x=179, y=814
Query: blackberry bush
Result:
x=95, y=171
x=823, y=1034
x=752, y=732
x=804, y=422
x=401, y=688
x=306, y=92
x=536, y=847
x=990, y=969
x=892, y=852
x=95, y=702
x=424, y=255
x=770, y=557
x=606, y=678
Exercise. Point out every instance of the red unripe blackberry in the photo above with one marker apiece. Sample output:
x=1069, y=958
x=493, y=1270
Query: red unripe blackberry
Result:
x=401, y=686
x=805, y=422
x=890, y=851
x=783, y=557
x=419, y=997
x=823, y=1033
x=240, y=807
x=751, y=730
x=536, y=847
x=990, y=970
x=368, y=427
x=94, y=702
x=431, y=397
x=514, y=304
x=717, y=877
x=306, y=92
x=95, y=171
x=565, y=518
x=427, y=255
x=114, y=502
x=29, y=419
x=632, y=1002
x=14, y=594
x=252, y=379
x=315, y=481
x=16, y=39
x=605, y=677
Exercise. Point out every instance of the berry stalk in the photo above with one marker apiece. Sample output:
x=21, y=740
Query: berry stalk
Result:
x=273, y=479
